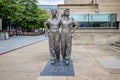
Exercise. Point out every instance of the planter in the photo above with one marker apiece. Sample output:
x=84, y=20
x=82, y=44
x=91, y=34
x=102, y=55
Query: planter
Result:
x=26, y=33
x=4, y=35
x=34, y=33
x=12, y=33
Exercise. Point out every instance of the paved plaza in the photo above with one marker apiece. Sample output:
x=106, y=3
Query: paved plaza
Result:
x=93, y=27
x=91, y=62
x=18, y=42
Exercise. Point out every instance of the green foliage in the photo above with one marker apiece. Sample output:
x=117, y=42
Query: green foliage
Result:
x=24, y=13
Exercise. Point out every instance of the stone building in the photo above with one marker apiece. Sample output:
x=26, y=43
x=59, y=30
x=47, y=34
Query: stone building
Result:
x=99, y=20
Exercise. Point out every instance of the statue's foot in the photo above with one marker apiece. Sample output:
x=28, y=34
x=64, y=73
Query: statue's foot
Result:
x=67, y=62
x=58, y=58
x=53, y=62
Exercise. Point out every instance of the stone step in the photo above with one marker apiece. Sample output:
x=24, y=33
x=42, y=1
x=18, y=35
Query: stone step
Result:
x=116, y=45
x=117, y=42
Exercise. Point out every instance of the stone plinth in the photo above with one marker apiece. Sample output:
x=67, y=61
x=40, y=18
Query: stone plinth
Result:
x=98, y=37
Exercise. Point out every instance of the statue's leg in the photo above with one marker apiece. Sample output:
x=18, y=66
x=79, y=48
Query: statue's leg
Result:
x=68, y=48
x=52, y=47
x=57, y=45
x=63, y=44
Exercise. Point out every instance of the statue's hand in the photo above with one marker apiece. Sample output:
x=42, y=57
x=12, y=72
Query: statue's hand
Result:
x=48, y=30
x=47, y=33
x=73, y=35
x=72, y=31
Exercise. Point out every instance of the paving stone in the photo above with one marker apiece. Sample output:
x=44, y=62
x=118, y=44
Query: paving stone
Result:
x=18, y=42
x=109, y=62
x=28, y=62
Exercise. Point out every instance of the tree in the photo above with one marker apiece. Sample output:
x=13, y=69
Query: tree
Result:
x=23, y=13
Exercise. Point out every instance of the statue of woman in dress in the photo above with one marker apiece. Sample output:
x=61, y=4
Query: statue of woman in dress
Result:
x=53, y=25
x=66, y=35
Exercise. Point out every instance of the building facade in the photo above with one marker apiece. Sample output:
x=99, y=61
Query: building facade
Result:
x=99, y=20
x=94, y=13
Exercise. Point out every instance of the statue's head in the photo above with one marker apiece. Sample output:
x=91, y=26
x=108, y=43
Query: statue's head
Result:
x=66, y=12
x=53, y=12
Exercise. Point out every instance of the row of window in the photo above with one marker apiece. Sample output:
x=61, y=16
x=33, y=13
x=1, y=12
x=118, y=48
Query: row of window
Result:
x=49, y=7
x=95, y=20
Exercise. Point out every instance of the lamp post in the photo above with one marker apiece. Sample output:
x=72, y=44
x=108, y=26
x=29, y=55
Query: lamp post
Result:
x=0, y=25
x=88, y=20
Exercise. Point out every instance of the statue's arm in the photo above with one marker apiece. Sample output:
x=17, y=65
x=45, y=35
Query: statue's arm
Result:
x=76, y=25
x=46, y=26
x=60, y=25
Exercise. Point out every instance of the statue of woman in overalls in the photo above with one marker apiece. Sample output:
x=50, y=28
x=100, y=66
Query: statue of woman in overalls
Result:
x=66, y=35
x=53, y=25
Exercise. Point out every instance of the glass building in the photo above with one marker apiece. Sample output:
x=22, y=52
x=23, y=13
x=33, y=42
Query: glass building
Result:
x=49, y=7
x=94, y=13
x=96, y=20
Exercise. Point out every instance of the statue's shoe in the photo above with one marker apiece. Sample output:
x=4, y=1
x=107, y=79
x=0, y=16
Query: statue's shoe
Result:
x=53, y=62
x=67, y=62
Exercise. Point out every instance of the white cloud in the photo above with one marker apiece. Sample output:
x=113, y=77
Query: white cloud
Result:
x=50, y=2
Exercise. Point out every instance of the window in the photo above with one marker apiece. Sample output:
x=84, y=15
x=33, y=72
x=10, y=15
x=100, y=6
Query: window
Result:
x=95, y=20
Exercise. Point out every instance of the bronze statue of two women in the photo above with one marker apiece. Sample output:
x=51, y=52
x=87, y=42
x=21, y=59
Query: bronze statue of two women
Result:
x=60, y=42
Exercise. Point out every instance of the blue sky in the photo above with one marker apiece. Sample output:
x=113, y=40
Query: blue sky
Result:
x=50, y=2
